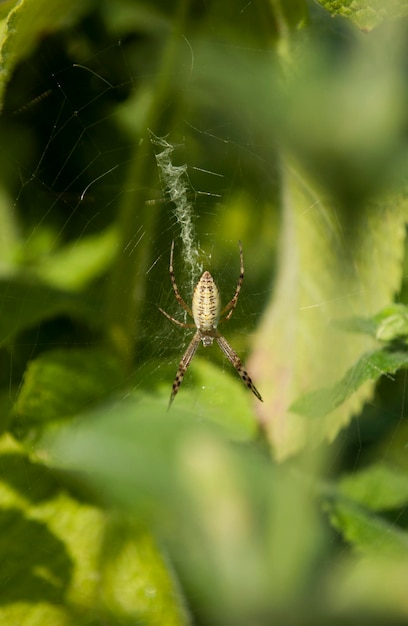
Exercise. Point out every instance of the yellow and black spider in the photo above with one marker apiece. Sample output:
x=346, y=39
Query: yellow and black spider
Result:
x=207, y=314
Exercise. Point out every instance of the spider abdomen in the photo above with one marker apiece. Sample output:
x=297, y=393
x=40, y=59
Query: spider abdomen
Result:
x=206, y=304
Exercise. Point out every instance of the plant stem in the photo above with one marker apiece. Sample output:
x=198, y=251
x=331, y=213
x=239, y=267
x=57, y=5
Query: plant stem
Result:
x=137, y=219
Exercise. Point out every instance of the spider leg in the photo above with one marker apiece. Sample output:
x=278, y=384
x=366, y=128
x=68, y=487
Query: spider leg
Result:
x=184, y=363
x=237, y=363
x=172, y=319
x=173, y=282
x=233, y=302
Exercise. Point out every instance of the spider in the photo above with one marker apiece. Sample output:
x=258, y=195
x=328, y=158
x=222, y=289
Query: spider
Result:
x=205, y=310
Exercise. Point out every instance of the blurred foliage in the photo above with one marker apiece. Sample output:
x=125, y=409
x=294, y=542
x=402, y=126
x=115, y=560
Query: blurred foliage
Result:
x=291, y=117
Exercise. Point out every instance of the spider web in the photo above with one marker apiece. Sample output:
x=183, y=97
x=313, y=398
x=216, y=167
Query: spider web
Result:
x=71, y=177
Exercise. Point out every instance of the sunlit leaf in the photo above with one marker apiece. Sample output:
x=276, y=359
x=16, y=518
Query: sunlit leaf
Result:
x=366, y=14
x=298, y=348
x=6, y=7
x=54, y=562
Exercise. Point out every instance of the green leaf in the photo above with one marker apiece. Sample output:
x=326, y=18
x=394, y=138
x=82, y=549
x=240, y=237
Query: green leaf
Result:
x=26, y=23
x=218, y=395
x=368, y=533
x=369, y=367
x=370, y=586
x=360, y=325
x=350, y=507
x=137, y=585
x=61, y=382
x=24, y=303
x=58, y=565
x=6, y=6
x=366, y=14
x=75, y=265
x=378, y=487
x=213, y=505
x=139, y=440
x=298, y=348
x=390, y=324
x=9, y=232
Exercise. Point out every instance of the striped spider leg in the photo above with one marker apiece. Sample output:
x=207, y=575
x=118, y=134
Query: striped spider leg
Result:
x=206, y=313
